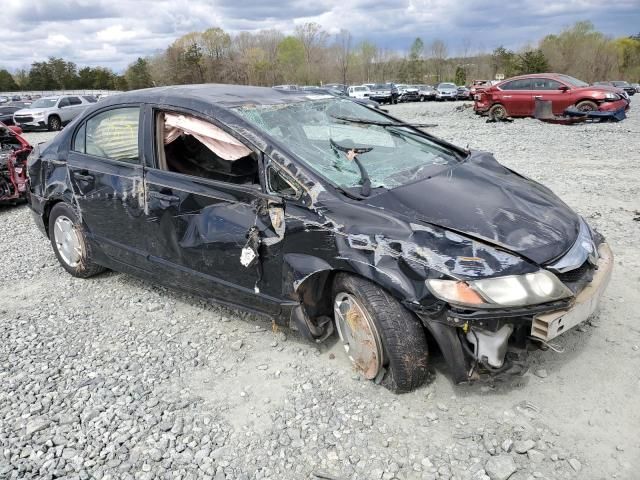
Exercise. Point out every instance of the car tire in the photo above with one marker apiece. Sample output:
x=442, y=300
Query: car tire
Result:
x=587, y=106
x=54, y=124
x=393, y=345
x=498, y=112
x=69, y=242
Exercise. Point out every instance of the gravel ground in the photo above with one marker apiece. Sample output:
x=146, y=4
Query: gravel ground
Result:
x=114, y=378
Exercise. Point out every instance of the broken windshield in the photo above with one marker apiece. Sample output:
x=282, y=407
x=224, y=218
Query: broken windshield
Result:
x=392, y=154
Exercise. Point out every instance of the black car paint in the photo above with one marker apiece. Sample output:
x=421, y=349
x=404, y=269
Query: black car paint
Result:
x=161, y=225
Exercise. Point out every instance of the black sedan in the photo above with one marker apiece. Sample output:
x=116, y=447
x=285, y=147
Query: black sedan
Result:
x=6, y=113
x=322, y=213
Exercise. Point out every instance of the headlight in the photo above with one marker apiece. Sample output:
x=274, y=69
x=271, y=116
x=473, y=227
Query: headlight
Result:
x=38, y=114
x=508, y=291
x=611, y=96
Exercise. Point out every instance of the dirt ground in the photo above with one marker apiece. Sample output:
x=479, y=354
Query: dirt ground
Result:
x=115, y=378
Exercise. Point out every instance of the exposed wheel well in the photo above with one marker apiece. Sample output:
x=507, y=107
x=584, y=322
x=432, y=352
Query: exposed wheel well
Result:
x=47, y=211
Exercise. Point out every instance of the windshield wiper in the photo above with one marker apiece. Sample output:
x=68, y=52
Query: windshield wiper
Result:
x=378, y=123
x=352, y=152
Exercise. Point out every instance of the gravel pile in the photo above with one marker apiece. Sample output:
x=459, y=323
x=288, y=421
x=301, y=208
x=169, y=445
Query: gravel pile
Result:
x=114, y=378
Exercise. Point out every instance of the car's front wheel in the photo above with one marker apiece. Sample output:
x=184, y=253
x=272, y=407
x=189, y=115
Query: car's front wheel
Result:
x=54, y=124
x=383, y=340
x=587, y=106
x=69, y=242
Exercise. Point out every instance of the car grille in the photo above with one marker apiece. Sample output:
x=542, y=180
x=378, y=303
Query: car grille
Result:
x=23, y=119
x=578, y=278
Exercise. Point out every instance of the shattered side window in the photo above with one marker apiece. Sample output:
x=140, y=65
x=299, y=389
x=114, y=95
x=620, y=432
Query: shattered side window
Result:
x=325, y=134
x=114, y=134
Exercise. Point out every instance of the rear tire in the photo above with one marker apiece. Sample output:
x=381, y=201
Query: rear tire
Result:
x=403, y=354
x=69, y=242
x=498, y=112
x=54, y=124
x=587, y=106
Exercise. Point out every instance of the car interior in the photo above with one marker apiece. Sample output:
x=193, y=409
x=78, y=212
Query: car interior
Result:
x=192, y=146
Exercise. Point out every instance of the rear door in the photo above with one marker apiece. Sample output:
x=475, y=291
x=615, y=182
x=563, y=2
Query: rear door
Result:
x=77, y=106
x=517, y=97
x=105, y=169
x=211, y=229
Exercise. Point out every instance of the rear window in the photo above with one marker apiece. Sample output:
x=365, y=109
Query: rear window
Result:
x=112, y=134
x=521, y=84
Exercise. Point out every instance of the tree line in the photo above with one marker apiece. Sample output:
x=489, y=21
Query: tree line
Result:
x=311, y=56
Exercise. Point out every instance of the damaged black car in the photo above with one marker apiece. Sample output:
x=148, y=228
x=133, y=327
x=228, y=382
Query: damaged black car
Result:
x=325, y=215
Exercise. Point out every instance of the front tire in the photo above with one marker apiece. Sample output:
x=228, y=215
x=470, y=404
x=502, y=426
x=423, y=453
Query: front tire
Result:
x=54, y=124
x=69, y=242
x=587, y=106
x=383, y=340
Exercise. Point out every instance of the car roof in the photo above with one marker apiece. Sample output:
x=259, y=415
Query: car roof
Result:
x=224, y=95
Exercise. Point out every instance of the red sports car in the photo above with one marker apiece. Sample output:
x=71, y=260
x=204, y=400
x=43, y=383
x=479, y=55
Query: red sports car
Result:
x=14, y=150
x=516, y=96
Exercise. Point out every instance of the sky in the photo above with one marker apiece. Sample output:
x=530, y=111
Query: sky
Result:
x=114, y=33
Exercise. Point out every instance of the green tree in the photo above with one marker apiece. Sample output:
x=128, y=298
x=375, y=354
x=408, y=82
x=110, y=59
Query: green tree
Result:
x=7, y=83
x=503, y=61
x=291, y=58
x=461, y=75
x=138, y=75
x=415, y=66
x=532, y=61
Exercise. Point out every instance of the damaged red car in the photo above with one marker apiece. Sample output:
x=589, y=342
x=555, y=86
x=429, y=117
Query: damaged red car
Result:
x=325, y=215
x=516, y=96
x=14, y=150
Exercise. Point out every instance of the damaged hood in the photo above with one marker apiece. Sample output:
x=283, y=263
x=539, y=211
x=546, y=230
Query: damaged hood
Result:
x=485, y=200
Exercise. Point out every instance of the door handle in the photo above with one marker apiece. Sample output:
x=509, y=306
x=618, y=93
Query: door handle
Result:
x=164, y=196
x=538, y=97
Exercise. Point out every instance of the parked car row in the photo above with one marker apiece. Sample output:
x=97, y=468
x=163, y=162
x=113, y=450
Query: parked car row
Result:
x=391, y=92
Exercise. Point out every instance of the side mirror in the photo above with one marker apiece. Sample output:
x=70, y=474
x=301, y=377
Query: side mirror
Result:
x=15, y=129
x=564, y=88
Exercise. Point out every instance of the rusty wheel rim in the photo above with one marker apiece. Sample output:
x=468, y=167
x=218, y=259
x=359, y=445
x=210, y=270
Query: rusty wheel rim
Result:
x=359, y=335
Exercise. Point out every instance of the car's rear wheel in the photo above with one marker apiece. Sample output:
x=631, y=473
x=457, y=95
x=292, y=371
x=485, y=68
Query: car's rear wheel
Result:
x=69, y=242
x=383, y=340
x=587, y=106
x=498, y=112
x=54, y=123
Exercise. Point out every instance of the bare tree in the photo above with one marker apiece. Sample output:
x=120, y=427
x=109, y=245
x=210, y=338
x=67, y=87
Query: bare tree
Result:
x=313, y=39
x=343, y=53
x=439, y=54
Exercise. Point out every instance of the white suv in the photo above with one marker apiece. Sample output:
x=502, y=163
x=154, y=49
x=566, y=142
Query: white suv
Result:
x=358, y=91
x=52, y=112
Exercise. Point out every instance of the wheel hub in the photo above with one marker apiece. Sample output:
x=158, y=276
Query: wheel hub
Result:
x=359, y=335
x=67, y=241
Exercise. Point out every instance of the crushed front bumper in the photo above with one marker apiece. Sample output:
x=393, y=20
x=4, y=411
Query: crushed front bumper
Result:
x=546, y=326
x=452, y=328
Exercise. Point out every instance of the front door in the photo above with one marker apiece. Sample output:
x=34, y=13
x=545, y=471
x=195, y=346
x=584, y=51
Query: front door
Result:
x=549, y=89
x=106, y=173
x=210, y=227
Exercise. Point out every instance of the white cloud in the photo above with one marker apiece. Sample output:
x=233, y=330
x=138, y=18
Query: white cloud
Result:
x=113, y=33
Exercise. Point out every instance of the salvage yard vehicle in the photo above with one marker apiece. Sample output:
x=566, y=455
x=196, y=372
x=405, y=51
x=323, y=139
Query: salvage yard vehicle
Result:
x=321, y=213
x=14, y=150
x=52, y=113
x=426, y=92
x=408, y=93
x=446, y=91
x=358, y=91
x=384, y=93
x=516, y=96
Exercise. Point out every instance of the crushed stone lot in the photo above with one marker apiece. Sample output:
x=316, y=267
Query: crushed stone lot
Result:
x=114, y=378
